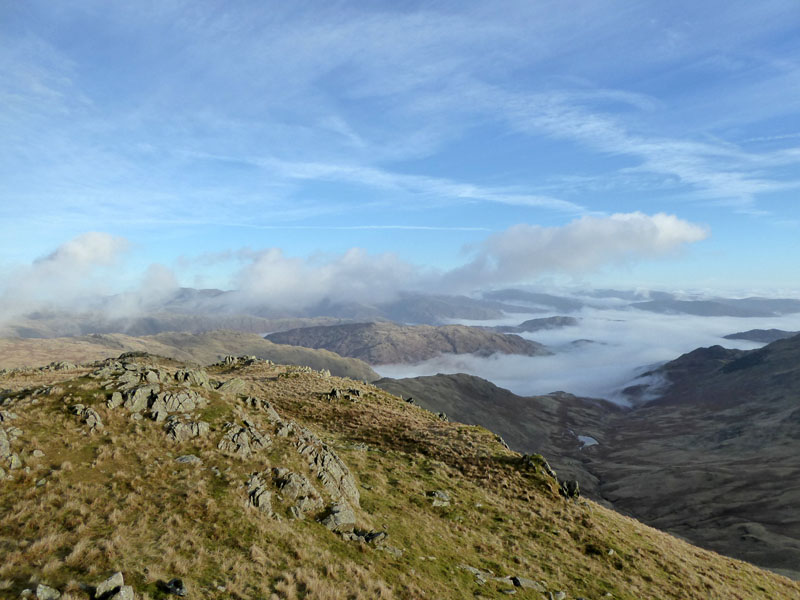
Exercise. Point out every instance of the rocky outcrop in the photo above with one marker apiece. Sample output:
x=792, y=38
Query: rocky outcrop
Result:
x=330, y=469
x=340, y=518
x=8, y=459
x=181, y=428
x=243, y=440
x=297, y=488
x=232, y=386
x=177, y=401
x=258, y=493
x=139, y=398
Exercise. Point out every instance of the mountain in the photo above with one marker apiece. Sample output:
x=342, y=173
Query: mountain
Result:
x=764, y=336
x=388, y=343
x=195, y=311
x=144, y=477
x=723, y=307
x=540, y=324
x=715, y=459
x=541, y=300
x=203, y=348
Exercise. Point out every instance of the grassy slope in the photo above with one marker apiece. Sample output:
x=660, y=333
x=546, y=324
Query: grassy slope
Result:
x=202, y=348
x=116, y=500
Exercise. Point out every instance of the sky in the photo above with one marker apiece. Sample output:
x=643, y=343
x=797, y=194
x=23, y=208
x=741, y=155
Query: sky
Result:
x=286, y=147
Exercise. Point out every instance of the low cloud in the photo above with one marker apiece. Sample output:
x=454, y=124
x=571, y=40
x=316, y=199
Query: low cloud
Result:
x=276, y=280
x=80, y=271
x=524, y=252
x=517, y=255
x=74, y=272
x=601, y=355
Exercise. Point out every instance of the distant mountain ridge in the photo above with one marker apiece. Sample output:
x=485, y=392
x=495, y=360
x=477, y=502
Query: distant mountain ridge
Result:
x=389, y=343
x=765, y=336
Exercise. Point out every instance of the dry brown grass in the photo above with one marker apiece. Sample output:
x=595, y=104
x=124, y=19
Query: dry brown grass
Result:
x=117, y=500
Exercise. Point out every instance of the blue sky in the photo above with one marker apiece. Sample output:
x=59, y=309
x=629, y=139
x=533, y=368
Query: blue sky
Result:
x=431, y=136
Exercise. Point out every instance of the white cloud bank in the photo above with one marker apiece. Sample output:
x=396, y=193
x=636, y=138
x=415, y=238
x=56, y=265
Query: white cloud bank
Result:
x=72, y=272
x=517, y=255
x=623, y=344
x=81, y=268
x=524, y=252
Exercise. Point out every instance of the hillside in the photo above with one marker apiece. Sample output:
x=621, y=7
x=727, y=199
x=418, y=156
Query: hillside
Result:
x=764, y=336
x=202, y=348
x=254, y=480
x=388, y=343
x=541, y=324
x=714, y=459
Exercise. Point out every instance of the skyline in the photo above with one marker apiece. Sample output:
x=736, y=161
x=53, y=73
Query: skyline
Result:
x=228, y=146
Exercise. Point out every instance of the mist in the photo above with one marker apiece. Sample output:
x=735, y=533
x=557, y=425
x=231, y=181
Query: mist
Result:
x=84, y=272
x=600, y=356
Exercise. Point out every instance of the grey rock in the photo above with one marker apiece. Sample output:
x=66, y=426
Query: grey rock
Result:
x=439, y=494
x=526, y=583
x=109, y=586
x=37, y=453
x=232, y=386
x=196, y=377
x=243, y=441
x=261, y=404
x=45, y=592
x=115, y=401
x=14, y=462
x=124, y=593
x=189, y=459
x=285, y=430
x=183, y=401
x=258, y=494
x=88, y=415
x=129, y=380
x=138, y=399
x=558, y=595
x=181, y=429
x=394, y=551
x=297, y=487
x=331, y=470
x=341, y=518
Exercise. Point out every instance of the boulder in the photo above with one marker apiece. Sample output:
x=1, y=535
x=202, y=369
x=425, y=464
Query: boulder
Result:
x=243, y=441
x=528, y=584
x=124, y=593
x=115, y=401
x=109, y=587
x=181, y=429
x=340, y=519
x=258, y=494
x=232, y=386
x=196, y=377
x=45, y=592
x=138, y=399
x=88, y=415
x=297, y=487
